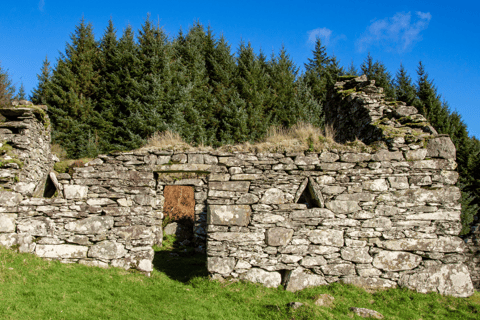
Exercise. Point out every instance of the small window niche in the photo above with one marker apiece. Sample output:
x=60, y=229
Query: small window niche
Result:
x=309, y=193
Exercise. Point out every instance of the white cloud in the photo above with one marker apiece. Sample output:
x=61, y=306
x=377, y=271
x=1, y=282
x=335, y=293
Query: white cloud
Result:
x=399, y=32
x=323, y=33
x=41, y=4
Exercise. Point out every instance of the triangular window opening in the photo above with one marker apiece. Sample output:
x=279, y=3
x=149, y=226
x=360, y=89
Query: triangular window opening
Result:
x=309, y=193
x=306, y=198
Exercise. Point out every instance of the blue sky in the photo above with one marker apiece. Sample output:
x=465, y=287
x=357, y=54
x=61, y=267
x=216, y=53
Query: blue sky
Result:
x=444, y=35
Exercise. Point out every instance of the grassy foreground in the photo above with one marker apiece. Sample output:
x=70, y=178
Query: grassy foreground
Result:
x=32, y=288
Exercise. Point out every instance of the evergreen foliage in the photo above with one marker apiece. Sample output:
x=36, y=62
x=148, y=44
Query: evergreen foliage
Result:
x=7, y=89
x=404, y=89
x=38, y=96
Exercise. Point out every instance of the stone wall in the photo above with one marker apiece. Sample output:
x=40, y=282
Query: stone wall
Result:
x=381, y=216
x=473, y=252
x=25, y=148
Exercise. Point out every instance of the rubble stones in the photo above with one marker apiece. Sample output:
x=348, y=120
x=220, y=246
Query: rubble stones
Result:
x=366, y=313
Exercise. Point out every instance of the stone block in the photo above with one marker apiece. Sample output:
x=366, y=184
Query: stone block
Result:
x=343, y=207
x=24, y=188
x=275, y=196
x=312, y=213
x=229, y=215
x=398, y=182
x=304, y=161
x=396, y=260
x=220, y=265
x=325, y=180
x=333, y=190
x=76, y=192
x=8, y=239
x=336, y=166
x=355, y=157
x=134, y=232
x=96, y=202
x=358, y=255
x=322, y=249
x=7, y=222
x=442, y=244
x=237, y=237
x=375, y=185
x=267, y=218
x=93, y=225
x=248, y=198
x=61, y=251
x=384, y=155
x=326, y=237
x=435, y=216
x=34, y=227
x=195, y=158
x=186, y=167
x=278, y=236
x=328, y=157
x=370, y=283
x=356, y=197
x=449, y=279
x=269, y=279
x=340, y=269
x=382, y=222
x=10, y=199
x=236, y=186
x=310, y=261
x=300, y=279
x=418, y=154
x=245, y=177
x=107, y=250
x=441, y=147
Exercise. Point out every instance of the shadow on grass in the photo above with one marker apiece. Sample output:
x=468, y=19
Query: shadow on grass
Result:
x=180, y=263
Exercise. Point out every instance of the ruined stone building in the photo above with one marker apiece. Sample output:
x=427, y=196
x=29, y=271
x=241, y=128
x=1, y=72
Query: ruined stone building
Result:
x=381, y=217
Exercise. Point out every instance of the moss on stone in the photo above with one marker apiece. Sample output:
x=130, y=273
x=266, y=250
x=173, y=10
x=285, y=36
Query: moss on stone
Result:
x=3, y=162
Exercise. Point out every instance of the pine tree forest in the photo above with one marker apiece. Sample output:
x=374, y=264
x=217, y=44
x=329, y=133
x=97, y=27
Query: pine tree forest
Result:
x=116, y=92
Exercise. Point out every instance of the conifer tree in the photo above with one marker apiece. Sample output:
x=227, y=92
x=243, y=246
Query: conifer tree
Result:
x=7, y=89
x=229, y=114
x=38, y=95
x=429, y=103
x=321, y=73
x=124, y=91
x=71, y=91
x=21, y=95
x=404, y=88
x=252, y=85
x=284, y=109
x=352, y=70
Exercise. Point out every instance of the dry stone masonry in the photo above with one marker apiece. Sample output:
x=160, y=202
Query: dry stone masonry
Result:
x=384, y=217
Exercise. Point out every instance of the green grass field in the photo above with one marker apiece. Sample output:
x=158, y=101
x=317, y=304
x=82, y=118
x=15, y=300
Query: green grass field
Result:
x=32, y=288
